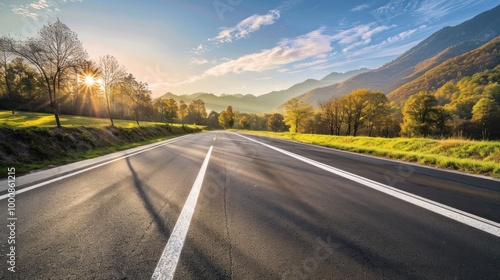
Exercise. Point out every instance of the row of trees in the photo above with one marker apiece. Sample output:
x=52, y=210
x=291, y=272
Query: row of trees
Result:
x=362, y=111
x=469, y=108
x=53, y=73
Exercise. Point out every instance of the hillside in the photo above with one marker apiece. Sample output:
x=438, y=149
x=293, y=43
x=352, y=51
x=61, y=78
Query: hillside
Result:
x=453, y=69
x=437, y=48
x=266, y=102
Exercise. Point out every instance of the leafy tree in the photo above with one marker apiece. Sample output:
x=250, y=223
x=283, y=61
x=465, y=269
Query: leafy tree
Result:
x=244, y=122
x=377, y=112
x=444, y=122
x=493, y=90
x=420, y=115
x=213, y=120
x=353, y=107
x=486, y=113
x=197, y=112
x=296, y=114
x=275, y=122
x=183, y=110
x=230, y=116
x=224, y=120
x=56, y=50
x=170, y=110
x=20, y=86
x=445, y=93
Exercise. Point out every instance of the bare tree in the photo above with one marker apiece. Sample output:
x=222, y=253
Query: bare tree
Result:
x=112, y=74
x=55, y=50
x=332, y=114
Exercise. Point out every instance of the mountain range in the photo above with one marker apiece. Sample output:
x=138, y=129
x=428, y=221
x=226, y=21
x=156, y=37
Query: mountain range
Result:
x=263, y=103
x=444, y=44
x=485, y=57
x=447, y=55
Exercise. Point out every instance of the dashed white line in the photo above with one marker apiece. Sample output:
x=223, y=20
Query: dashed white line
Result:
x=450, y=212
x=165, y=269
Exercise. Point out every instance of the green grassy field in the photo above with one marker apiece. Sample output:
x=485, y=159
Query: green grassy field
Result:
x=478, y=157
x=28, y=119
x=31, y=141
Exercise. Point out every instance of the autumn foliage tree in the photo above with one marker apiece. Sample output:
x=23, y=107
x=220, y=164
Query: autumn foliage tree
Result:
x=296, y=114
x=275, y=122
x=420, y=115
x=226, y=118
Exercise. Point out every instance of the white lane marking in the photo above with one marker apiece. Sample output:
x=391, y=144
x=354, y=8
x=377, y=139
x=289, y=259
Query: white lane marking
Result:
x=90, y=168
x=165, y=269
x=450, y=212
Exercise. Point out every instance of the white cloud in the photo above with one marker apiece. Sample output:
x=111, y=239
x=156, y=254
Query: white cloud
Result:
x=386, y=13
x=37, y=8
x=311, y=45
x=433, y=10
x=200, y=49
x=359, y=35
x=288, y=5
x=197, y=61
x=360, y=8
x=246, y=26
x=309, y=64
x=264, y=78
x=404, y=35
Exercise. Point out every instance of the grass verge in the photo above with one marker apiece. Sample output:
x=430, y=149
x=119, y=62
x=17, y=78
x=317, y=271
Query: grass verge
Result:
x=476, y=157
x=29, y=148
x=29, y=119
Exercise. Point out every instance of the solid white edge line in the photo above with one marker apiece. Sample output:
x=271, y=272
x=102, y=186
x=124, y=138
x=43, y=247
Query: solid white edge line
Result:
x=477, y=222
x=90, y=168
x=165, y=269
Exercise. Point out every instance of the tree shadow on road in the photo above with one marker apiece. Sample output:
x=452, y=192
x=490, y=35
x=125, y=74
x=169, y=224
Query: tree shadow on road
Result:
x=146, y=201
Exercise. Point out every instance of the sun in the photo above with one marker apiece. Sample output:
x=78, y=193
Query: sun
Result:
x=89, y=81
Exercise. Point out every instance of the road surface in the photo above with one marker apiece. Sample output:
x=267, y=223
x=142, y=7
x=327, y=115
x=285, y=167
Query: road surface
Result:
x=265, y=209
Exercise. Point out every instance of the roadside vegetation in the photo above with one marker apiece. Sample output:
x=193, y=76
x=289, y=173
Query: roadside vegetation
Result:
x=477, y=157
x=30, y=141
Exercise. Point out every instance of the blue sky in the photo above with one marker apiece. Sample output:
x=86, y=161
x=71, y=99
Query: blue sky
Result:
x=241, y=46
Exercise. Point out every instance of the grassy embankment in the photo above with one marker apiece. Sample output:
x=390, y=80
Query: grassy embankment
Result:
x=477, y=157
x=30, y=141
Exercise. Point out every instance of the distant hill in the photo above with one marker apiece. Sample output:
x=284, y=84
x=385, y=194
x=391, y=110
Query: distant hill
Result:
x=437, y=48
x=453, y=69
x=336, y=77
x=264, y=103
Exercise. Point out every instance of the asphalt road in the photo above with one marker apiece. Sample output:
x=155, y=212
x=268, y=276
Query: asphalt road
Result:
x=260, y=214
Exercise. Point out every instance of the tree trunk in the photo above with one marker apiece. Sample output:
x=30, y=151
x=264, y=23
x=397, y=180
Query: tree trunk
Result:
x=58, y=122
x=110, y=116
x=9, y=90
x=54, y=101
x=137, y=115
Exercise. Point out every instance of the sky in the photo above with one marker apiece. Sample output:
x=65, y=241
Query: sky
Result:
x=241, y=46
